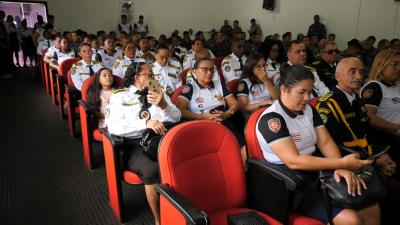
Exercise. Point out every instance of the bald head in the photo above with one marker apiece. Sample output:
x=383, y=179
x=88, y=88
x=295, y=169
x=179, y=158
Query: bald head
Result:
x=349, y=74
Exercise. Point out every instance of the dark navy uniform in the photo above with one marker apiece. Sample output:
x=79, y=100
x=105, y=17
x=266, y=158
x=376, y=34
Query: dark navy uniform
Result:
x=326, y=73
x=355, y=113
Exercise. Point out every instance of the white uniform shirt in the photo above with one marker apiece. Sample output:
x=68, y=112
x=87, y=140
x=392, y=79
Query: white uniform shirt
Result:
x=167, y=76
x=273, y=71
x=106, y=59
x=189, y=60
x=122, y=114
x=44, y=44
x=231, y=67
x=80, y=72
x=202, y=100
x=94, y=53
x=258, y=92
x=319, y=86
x=121, y=64
x=141, y=27
x=50, y=51
x=60, y=56
x=125, y=27
x=277, y=123
x=40, y=31
x=385, y=97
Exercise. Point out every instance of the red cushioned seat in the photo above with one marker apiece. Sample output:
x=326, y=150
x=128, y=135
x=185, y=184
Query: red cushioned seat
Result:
x=201, y=173
x=63, y=70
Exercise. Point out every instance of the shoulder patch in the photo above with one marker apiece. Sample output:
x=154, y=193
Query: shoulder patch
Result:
x=274, y=124
x=241, y=87
x=78, y=63
x=119, y=90
x=367, y=93
x=227, y=68
x=326, y=97
x=316, y=62
x=185, y=89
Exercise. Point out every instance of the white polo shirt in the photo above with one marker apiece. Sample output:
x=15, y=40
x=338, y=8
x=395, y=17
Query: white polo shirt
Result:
x=385, y=97
x=230, y=67
x=255, y=92
x=278, y=123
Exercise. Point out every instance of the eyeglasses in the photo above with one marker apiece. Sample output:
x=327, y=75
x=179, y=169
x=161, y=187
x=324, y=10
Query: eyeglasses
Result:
x=261, y=66
x=207, y=69
x=332, y=51
x=395, y=64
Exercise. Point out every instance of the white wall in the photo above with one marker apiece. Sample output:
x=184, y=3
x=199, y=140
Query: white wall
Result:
x=347, y=18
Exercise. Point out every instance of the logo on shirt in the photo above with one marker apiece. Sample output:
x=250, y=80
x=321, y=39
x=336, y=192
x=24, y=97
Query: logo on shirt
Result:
x=199, y=100
x=227, y=68
x=241, y=87
x=367, y=93
x=185, y=89
x=274, y=124
x=296, y=137
x=396, y=100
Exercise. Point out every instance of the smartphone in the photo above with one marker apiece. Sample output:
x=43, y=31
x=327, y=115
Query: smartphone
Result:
x=379, y=153
x=154, y=86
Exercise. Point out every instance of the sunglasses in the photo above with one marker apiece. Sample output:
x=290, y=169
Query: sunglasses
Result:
x=330, y=52
x=207, y=69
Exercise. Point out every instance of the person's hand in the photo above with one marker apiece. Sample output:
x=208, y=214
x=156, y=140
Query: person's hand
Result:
x=156, y=125
x=212, y=116
x=353, y=161
x=354, y=183
x=262, y=75
x=157, y=98
x=386, y=165
x=221, y=115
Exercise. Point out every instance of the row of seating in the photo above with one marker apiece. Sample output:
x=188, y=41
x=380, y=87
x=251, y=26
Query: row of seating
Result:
x=220, y=187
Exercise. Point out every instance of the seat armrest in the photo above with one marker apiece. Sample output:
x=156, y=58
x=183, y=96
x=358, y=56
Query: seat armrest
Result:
x=191, y=214
x=117, y=141
x=291, y=181
x=273, y=190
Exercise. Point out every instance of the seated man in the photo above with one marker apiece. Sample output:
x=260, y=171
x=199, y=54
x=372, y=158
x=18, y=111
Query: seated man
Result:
x=326, y=64
x=109, y=54
x=232, y=65
x=345, y=117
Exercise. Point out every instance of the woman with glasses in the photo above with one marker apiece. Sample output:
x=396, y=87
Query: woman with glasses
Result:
x=255, y=89
x=208, y=99
x=382, y=99
x=274, y=55
x=131, y=111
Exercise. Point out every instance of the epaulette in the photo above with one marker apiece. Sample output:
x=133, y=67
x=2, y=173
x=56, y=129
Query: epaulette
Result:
x=120, y=90
x=97, y=62
x=311, y=69
x=78, y=63
x=316, y=62
x=227, y=57
x=326, y=97
x=172, y=65
x=117, y=61
x=73, y=69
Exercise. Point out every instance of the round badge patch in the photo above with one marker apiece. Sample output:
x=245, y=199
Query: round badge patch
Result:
x=185, y=89
x=324, y=117
x=367, y=93
x=144, y=114
x=227, y=68
x=274, y=124
x=241, y=87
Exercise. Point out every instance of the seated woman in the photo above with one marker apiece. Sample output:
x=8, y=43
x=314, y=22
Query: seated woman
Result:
x=99, y=93
x=274, y=54
x=381, y=96
x=208, y=99
x=288, y=133
x=191, y=56
x=82, y=70
x=255, y=90
x=131, y=111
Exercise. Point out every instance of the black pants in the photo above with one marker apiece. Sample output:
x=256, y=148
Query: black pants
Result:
x=139, y=163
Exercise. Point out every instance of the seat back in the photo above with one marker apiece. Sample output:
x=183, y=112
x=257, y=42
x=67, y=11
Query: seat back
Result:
x=86, y=84
x=66, y=65
x=313, y=102
x=218, y=61
x=176, y=94
x=232, y=86
x=206, y=169
x=183, y=75
x=253, y=146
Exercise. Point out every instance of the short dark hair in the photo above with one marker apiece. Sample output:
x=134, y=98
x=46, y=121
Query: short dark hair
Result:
x=294, y=42
x=161, y=46
x=291, y=75
x=197, y=63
